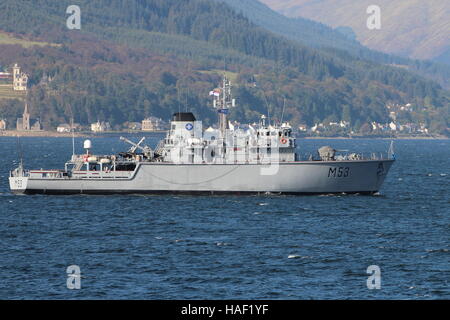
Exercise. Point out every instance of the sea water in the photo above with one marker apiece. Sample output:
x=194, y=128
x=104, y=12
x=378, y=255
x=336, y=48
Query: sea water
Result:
x=229, y=247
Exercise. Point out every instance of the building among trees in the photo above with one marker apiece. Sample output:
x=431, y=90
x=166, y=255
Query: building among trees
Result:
x=100, y=126
x=20, y=79
x=132, y=125
x=63, y=127
x=153, y=124
x=26, y=123
x=6, y=76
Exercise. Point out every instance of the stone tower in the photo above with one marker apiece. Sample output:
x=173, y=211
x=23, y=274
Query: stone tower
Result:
x=20, y=79
x=26, y=118
x=16, y=72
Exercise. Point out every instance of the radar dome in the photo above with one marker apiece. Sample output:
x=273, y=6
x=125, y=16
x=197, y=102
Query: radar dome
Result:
x=87, y=144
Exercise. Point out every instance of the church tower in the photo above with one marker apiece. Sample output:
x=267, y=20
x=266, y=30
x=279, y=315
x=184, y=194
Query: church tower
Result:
x=26, y=118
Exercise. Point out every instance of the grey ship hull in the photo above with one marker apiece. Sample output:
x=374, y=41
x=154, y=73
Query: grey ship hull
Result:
x=306, y=177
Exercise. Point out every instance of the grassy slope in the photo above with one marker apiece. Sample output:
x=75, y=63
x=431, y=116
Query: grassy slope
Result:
x=9, y=39
x=415, y=28
x=230, y=75
x=6, y=92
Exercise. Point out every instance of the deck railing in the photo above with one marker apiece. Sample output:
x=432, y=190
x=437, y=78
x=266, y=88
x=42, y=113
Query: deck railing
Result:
x=347, y=156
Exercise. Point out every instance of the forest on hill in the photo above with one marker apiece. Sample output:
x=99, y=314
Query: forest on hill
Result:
x=137, y=58
x=335, y=41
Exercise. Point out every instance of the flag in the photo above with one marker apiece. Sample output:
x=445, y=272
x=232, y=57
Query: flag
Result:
x=215, y=92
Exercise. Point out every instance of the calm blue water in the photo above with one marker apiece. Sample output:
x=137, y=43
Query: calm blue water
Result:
x=230, y=247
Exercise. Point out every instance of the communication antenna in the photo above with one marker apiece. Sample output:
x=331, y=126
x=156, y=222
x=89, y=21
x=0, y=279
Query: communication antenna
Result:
x=72, y=130
x=179, y=98
x=282, y=112
x=186, y=100
x=73, y=136
x=19, y=151
x=267, y=105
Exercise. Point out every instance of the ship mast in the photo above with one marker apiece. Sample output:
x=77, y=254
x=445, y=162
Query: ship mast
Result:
x=73, y=138
x=223, y=101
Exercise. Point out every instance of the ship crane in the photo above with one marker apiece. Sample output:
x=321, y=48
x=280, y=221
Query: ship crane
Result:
x=147, y=151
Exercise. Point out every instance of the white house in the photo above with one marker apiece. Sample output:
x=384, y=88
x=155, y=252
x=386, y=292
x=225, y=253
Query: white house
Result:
x=64, y=127
x=393, y=126
x=100, y=126
x=153, y=124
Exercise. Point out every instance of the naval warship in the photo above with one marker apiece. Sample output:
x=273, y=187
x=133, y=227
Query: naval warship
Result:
x=260, y=158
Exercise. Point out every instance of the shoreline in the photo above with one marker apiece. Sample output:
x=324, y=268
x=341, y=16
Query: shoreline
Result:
x=381, y=138
x=54, y=134
x=13, y=133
